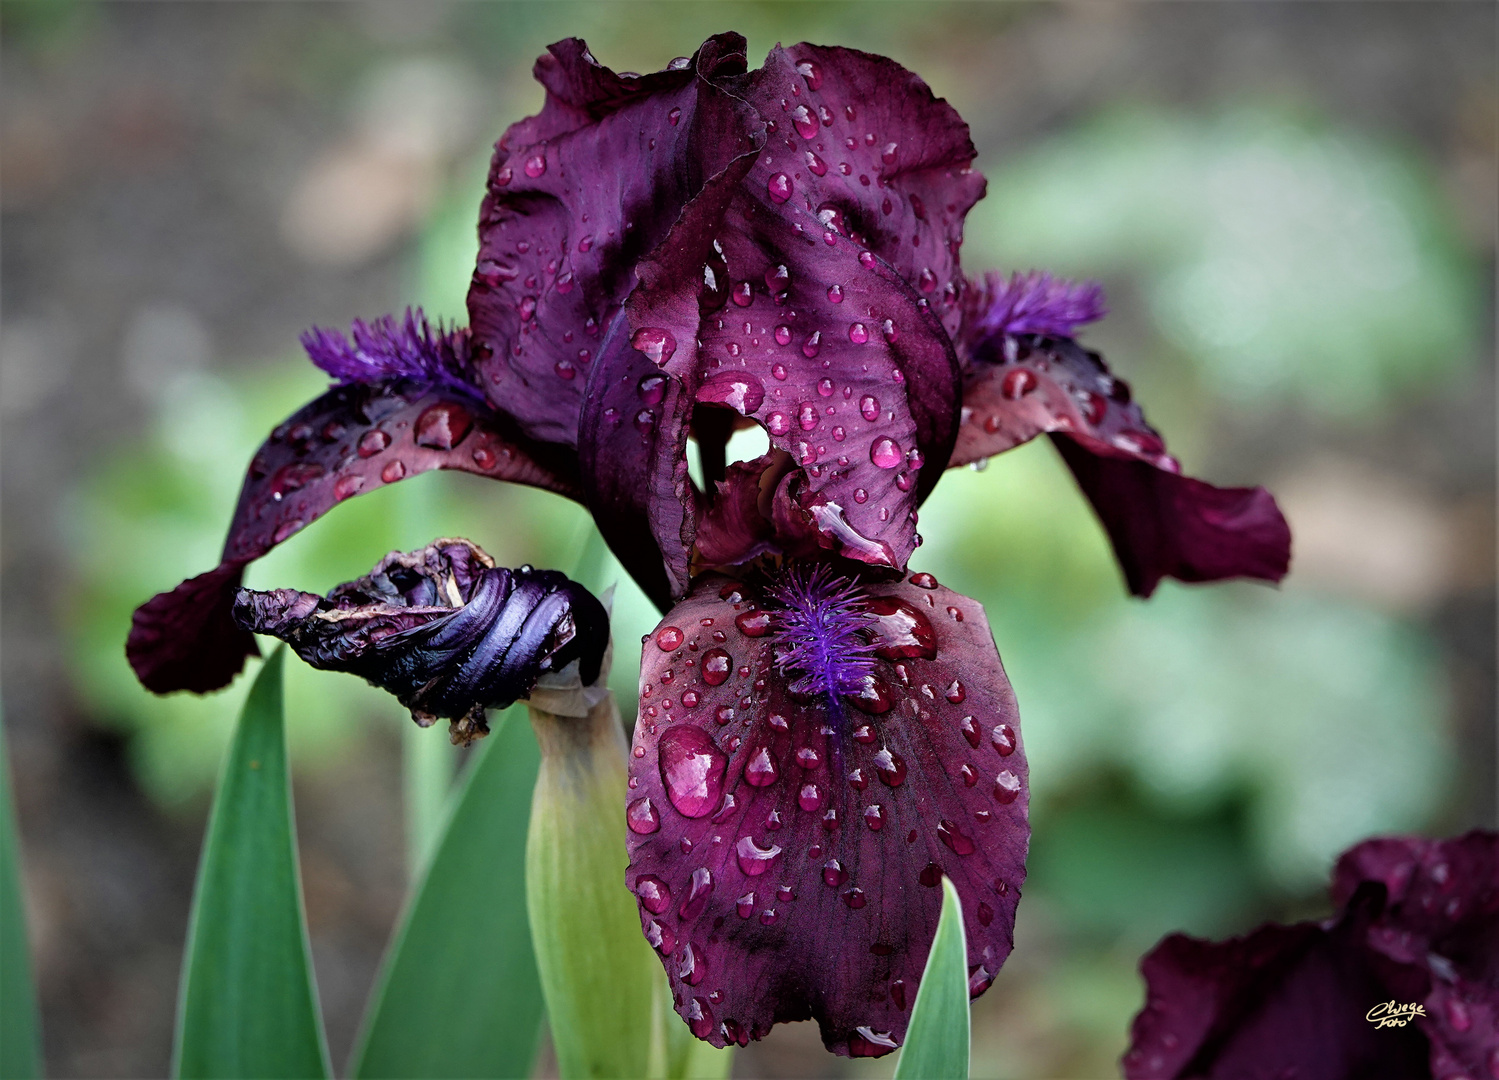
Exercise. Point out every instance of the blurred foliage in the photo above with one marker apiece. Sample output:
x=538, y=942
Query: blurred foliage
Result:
x=1292, y=262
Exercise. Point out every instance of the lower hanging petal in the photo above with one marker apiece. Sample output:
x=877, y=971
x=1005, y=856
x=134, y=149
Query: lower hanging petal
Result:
x=1162, y=524
x=352, y=440
x=813, y=753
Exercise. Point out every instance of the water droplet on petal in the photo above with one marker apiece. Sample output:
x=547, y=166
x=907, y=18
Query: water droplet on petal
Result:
x=854, y=898
x=864, y=734
x=762, y=769
x=642, y=817
x=753, y=623
x=654, y=894
x=753, y=859
x=888, y=154
x=716, y=666
x=955, y=692
x=652, y=389
x=698, y=891
x=869, y=407
x=809, y=798
x=396, y=470
x=816, y=165
x=900, y=630
x=804, y=122
x=739, y=391
x=536, y=165
x=1017, y=383
x=372, y=442
x=745, y=905
x=777, y=423
x=858, y=333
x=699, y=1017
x=655, y=343
x=1003, y=738
x=885, y=453
x=809, y=71
x=873, y=695
x=692, y=968
x=779, y=188
x=347, y=487
x=890, y=766
x=874, y=817
x=835, y=294
x=673, y=117
x=949, y=834
x=669, y=639
x=692, y=768
x=1006, y=787
x=971, y=731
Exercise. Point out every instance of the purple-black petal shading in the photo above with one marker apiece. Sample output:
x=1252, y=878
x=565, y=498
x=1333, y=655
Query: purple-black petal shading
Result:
x=577, y=196
x=1037, y=303
x=443, y=629
x=1417, y=925
x=357, y=437
x=1161, y=523
x=793, y=804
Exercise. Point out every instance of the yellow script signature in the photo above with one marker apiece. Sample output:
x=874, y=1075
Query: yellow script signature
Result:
x=1392, y=1014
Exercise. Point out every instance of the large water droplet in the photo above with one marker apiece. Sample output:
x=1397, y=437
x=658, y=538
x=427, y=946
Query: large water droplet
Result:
x=652, y=389
x=885, y=453
x=673, y=117
x=804, y=122
x=741, y=392
x=372, y=442
x=858, y=333
x=810, y=798
x=809, y=71
x=807, y=416
x=753, y=859
x=890, y=766
x=779, y=188
x=1006, y=787
x=1003, y=738
x=396, y=470
x=1017, y=383
x=698, y=1015
x=873, y=695
x=955, y=693
x=716, y=666
x=692, y=768
x=949, y=833
x=654, y=894
x=762, y=768
x=812, y=345
x=971, y=731
x=816, y=165
x=869, y=407
x=656, y=343
x=777, y=423
x=753, y=623
x=642, y=817
x=536, y=165
x=888, y=154
x=692, y=967
x=669, y=639
x=854, y=898
x=699, y=888
x=900, y=630
x=874, y=817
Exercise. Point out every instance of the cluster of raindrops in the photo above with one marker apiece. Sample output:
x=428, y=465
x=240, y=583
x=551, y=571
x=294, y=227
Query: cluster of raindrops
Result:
x=350, y=442
x=1080, y=395
x=714, y=711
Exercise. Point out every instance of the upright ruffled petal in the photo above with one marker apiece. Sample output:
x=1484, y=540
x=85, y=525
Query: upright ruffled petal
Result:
x=1161, y=523
x=577, y=196
x=813, y=754
x=357, y=437
x=870, y=151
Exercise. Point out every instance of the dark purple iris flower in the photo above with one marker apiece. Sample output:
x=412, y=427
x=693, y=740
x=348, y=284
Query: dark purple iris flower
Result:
x=1402, y=983
x=823, y=735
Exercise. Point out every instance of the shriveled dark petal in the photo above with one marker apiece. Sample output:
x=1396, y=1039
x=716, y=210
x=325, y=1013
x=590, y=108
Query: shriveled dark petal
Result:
x=577, y=196
x=353, y=439
x=737, y=525
x=444, y=629
x=870, y=152
x=787, y=850
x=1160, y=522
x=1283, y=1001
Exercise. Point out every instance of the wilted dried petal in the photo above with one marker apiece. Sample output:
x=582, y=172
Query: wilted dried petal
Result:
x=443, y=629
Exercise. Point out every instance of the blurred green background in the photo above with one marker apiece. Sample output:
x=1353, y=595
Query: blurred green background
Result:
x=1292, y=207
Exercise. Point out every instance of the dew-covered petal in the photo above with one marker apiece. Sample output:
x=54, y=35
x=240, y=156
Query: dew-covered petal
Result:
x=872, y=154
x=1283, y=1001
x=1161, y=523
x=352, y=440
x=577, y=196
x=443, y=629
x=812, y=889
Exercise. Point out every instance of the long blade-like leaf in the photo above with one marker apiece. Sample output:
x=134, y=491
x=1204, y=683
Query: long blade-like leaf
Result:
x=249, y=1006
x=458, y=995
x=937, y=1040
x=20, y=1049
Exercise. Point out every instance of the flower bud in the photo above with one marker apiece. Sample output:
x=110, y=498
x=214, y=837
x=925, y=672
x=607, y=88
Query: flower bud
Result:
x=443, y=629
